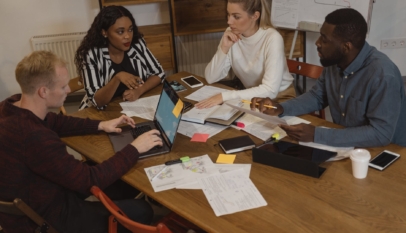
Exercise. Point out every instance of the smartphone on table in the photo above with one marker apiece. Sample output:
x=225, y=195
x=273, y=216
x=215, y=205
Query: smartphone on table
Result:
x=383, y=160
x=191, y=81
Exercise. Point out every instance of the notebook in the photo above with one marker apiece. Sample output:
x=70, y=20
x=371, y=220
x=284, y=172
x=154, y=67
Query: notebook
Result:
x=165, y=121
x=236, y=144
x=220, y=114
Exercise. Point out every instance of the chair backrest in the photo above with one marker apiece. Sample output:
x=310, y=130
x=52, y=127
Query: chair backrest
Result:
x=123, y=219
x=306, y=70
x=75, y=85
x=18, y=207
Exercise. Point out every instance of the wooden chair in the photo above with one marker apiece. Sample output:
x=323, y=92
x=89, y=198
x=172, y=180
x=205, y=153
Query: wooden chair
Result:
x=306, y=70
x=172, y=220
x=18, y=207
x=75, y=84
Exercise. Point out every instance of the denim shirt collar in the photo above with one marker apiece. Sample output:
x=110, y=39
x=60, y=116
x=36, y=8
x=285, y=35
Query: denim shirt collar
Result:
x=358, y=61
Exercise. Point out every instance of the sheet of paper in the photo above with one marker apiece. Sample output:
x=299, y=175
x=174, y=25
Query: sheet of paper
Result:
x=292, y=120
x=200, y=137
x=224, y=158
x=222, y=168
x=271, y=119
x=260, y=128
x=342, y=152
x=285, y=13
x=205, y=92
x=143, y=108
x=189, y=128
x=181, y=173
x=231, y=192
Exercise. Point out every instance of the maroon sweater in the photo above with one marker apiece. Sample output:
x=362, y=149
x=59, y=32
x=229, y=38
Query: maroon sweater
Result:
x=35, y=166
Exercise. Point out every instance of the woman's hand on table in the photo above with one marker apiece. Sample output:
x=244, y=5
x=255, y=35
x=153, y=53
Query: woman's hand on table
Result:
x=210, y=102
x=131, y=81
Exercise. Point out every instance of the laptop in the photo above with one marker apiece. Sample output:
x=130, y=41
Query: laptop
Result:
x=164, y=121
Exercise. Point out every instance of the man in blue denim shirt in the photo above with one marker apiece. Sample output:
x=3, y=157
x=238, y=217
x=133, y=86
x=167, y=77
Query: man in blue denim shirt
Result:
x=362, y=86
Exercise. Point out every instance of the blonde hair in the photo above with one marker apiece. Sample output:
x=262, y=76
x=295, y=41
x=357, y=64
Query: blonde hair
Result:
x=36, y=69
x=262, y=6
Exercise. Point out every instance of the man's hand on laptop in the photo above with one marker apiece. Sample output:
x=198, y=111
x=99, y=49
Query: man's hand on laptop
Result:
x=147, y=140
x=265, y=105
x=111, y=125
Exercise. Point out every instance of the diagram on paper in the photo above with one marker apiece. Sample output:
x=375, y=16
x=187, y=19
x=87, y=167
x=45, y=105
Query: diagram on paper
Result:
x=196, y=165
x=168, y=173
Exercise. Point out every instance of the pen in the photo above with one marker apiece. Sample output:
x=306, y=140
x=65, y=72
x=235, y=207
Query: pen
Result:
x=268, y=106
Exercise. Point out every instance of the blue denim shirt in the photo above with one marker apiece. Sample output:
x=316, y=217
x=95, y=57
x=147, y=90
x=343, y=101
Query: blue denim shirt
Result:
x=368, y=98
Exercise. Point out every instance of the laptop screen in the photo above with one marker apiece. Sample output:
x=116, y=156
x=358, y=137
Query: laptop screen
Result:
x=164, y=116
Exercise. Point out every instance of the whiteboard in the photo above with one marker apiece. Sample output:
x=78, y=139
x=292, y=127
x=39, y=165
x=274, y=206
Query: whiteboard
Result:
x=309, y=15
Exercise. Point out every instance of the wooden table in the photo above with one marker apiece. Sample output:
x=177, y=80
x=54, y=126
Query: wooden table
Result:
x=335, y=202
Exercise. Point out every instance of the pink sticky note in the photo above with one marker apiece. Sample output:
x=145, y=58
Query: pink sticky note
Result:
x=199, y=137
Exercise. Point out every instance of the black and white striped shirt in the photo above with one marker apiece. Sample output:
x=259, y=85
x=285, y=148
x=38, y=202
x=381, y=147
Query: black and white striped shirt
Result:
x=98, y=71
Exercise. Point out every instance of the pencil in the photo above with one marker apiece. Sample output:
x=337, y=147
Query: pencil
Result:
x=268, y=106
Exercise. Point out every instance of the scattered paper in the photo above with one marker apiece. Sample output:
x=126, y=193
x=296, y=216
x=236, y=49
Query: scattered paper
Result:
x=271, y=119
x=189, y=129
x=199, y=137
x=143, y=107
x=180, y=173
x=231, y=192
x=205, y=92
x=223, y=158
x=221, y=168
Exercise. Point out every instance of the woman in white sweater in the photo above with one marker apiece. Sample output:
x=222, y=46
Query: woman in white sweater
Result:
x=255, y=52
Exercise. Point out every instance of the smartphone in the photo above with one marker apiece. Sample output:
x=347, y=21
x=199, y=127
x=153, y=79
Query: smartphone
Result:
x=192, y=82
x=383, y=160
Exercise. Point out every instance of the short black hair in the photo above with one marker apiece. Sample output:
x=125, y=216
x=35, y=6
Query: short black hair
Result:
x=350, y=26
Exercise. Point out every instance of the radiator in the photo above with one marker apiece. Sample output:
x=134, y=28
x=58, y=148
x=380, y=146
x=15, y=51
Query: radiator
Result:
x=63, y=45
x=194, y=52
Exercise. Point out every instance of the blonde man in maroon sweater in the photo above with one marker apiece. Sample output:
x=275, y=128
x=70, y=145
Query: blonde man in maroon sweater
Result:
x=34, y=163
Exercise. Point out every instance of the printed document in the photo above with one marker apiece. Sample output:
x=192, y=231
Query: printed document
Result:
x=231, y=192
x=205, y=92
x=143, y=107
x=180, y=173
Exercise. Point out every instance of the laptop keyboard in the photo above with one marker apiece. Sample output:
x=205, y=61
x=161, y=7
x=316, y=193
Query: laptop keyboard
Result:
x=138, y=130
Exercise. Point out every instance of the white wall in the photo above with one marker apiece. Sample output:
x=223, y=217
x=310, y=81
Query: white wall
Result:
x=388, y=22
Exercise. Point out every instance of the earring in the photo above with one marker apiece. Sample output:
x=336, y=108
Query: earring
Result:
x=105, y=36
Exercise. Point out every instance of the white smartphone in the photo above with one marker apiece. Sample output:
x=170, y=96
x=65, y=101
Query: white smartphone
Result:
x=383, y=160
x=191, y=81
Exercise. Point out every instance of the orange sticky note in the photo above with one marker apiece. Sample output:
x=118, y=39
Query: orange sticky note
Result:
x=199, y=137
x=223, y=158
x=178, y=108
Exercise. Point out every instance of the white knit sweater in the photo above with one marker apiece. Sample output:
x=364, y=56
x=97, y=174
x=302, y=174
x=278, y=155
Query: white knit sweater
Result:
x=258, y=61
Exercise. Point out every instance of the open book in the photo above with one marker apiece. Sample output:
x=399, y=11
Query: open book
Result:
x=220, y=114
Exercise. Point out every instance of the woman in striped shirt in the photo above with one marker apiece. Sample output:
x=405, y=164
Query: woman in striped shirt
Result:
x=113, y=60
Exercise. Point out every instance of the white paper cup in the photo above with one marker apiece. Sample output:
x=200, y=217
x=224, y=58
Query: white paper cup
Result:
x=360, y=160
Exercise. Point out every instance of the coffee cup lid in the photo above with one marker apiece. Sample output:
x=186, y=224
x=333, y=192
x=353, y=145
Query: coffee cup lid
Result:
x=360, y=155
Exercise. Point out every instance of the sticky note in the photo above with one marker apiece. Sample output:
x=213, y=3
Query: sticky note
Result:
x=199, y=137
x=178, y=108
x=223, y=158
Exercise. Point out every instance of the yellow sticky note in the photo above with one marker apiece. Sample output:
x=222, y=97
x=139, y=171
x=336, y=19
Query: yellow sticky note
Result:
x=178, y=108
x=223, y=158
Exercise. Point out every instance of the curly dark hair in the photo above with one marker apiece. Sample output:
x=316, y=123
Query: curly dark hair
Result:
x=350, y=26
x=94, y=38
